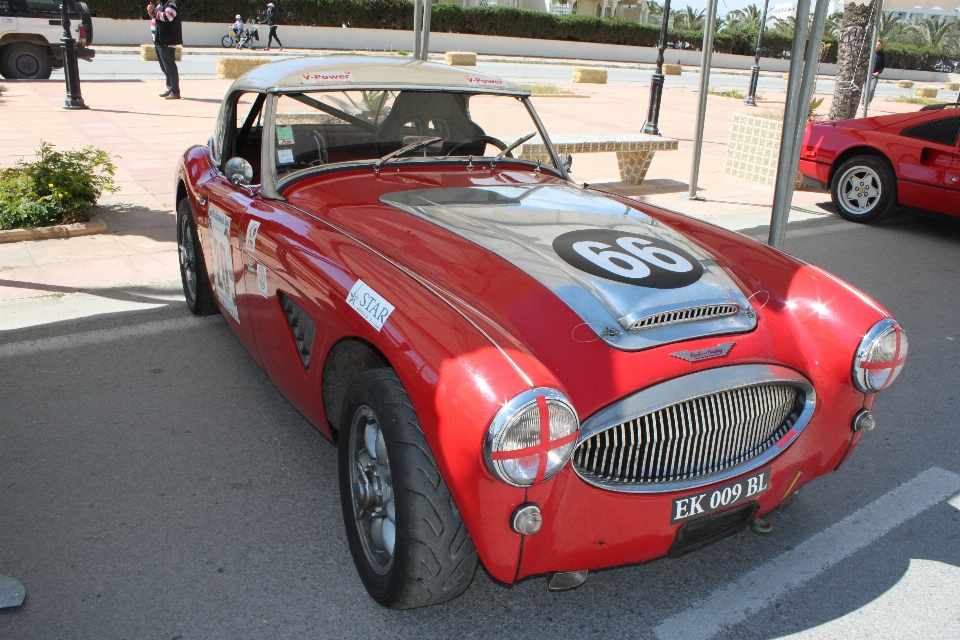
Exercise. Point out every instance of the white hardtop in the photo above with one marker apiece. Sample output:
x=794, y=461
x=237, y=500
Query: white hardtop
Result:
x=343, y=72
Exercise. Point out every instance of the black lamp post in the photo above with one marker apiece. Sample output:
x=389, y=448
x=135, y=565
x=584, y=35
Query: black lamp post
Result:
x=755, y=70
x=71, y=72
x=656, y=83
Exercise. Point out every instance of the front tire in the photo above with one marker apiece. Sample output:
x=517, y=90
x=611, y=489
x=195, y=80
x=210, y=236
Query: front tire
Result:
x=864, y=189
x=193, y=270
x=27, y=61
x=227, y=41
x=406, y=536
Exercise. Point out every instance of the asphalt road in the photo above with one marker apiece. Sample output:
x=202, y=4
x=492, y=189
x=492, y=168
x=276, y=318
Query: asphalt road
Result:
x=203, y=64
x=154, y=484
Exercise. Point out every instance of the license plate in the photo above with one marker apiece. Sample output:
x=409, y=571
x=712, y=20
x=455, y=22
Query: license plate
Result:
x=720, y=498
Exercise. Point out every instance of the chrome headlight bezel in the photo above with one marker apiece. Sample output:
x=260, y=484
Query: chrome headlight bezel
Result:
x=863, y=376
x=508, y=418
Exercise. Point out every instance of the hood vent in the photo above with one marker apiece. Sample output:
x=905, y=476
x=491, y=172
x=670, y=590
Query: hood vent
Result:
x=684, y=315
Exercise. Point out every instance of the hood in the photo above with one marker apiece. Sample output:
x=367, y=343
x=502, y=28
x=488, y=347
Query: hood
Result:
x=634, y=281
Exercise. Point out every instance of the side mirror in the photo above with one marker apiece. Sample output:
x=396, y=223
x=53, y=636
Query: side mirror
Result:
x=567, y=161
x=238, y=171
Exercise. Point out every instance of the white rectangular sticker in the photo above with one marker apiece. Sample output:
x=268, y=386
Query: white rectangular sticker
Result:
x=223, y=275
x=262, y=288
x=330, y=77
x=285, y=156
x=252, y=229
x=371, y=305
x=484, y=82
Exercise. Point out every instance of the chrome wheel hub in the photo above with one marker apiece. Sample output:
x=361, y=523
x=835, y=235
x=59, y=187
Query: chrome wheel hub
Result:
x=860, y=190
x=372, y=490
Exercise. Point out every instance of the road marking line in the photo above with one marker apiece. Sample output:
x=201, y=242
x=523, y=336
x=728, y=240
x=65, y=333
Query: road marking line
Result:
x=755, y=590
x=99, y=336
x=955, y=502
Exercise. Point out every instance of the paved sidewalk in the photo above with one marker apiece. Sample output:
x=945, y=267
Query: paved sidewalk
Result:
x=148, y=135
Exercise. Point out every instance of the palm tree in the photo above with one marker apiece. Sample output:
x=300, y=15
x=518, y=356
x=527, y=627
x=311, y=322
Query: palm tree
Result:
x=748, y=17
x=832, y=25
x=690, y=19
x=889, y=24
x=785, y=25
x=655, y=8
x=936, y=32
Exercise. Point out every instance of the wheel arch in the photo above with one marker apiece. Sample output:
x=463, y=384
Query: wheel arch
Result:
x=347, y=358
x=860, y=150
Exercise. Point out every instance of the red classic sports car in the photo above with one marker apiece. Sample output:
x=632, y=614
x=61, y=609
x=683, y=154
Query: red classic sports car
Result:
x=517, y=370
x=872, y=165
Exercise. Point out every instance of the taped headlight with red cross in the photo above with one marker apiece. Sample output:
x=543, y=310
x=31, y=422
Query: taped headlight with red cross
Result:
x=880, y=356
x=532, y=437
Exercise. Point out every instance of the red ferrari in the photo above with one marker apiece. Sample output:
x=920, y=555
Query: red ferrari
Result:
x=872, y=165
x=517, y=370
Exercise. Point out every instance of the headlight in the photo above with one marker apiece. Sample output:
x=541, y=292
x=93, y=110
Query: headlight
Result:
x=880, y=356
x=531, y=438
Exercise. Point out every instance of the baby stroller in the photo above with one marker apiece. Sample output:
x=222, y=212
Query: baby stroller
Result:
x=251, y=32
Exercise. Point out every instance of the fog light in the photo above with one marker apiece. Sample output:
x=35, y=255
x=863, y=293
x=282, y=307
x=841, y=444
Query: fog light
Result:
x=527, y=519
x=864, y=421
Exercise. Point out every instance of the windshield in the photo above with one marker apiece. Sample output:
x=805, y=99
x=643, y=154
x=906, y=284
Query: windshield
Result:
x=319, y=128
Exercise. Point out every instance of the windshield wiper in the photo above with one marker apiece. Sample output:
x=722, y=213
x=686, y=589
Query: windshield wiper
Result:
x=423, y=142
x=516, y=143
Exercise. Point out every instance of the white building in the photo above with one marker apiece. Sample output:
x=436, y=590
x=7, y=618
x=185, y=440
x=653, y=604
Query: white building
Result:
x=917, y=10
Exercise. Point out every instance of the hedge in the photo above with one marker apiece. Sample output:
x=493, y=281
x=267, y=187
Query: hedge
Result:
x=503, y=21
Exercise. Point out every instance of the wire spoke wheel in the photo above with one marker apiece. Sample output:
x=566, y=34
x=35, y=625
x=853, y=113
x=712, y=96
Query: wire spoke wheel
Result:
x=860, y=190
x=371, y=487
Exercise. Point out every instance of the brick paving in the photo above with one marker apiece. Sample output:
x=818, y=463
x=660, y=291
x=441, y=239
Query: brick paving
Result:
x=148, y=135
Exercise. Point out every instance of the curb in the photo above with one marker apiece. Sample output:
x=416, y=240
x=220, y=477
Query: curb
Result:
x=94, y=227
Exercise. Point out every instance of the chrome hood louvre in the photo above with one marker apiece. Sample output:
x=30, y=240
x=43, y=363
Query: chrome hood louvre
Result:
x=567, y=239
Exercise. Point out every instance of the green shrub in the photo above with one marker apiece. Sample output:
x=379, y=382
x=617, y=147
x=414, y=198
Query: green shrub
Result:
x=58, y=187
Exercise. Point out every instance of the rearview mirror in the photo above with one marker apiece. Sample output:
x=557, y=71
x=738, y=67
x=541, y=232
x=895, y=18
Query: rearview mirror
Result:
x=238, y=171
x=567, y=161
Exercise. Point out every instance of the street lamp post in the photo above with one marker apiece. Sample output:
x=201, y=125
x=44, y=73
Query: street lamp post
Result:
x=656, y=83
x=71, y=72
x=755, y=70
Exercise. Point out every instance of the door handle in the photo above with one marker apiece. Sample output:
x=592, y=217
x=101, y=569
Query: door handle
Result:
x=201, y=201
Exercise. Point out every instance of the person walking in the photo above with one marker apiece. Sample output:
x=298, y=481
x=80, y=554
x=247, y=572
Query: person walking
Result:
x=272, y=21
x=169, y=35
x=879, y=64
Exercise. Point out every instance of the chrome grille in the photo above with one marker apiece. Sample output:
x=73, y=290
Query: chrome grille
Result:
x=693, y=438
x=685, y=315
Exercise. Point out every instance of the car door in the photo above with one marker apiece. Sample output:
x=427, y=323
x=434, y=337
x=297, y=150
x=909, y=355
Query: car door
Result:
x=226, y=206
x=8, y=17
x=925, y=160
x=283, y=293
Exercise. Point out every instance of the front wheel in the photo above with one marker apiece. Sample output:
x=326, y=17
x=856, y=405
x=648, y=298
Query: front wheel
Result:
x=864, y=189
x=227, y=41
x=193, y=270
x=407, y=539
x=27, y=61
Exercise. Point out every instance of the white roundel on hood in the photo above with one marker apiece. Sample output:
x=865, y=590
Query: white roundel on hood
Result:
x=635, y=282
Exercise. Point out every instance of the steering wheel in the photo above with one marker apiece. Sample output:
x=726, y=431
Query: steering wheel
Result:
x=499, y=144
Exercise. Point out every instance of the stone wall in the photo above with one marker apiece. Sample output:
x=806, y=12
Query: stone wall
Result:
x=754, y=149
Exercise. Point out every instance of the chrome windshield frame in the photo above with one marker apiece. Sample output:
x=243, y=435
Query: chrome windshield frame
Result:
x=272, y=182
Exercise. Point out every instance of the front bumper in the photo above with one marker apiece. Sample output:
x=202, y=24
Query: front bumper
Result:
x=585, y=527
